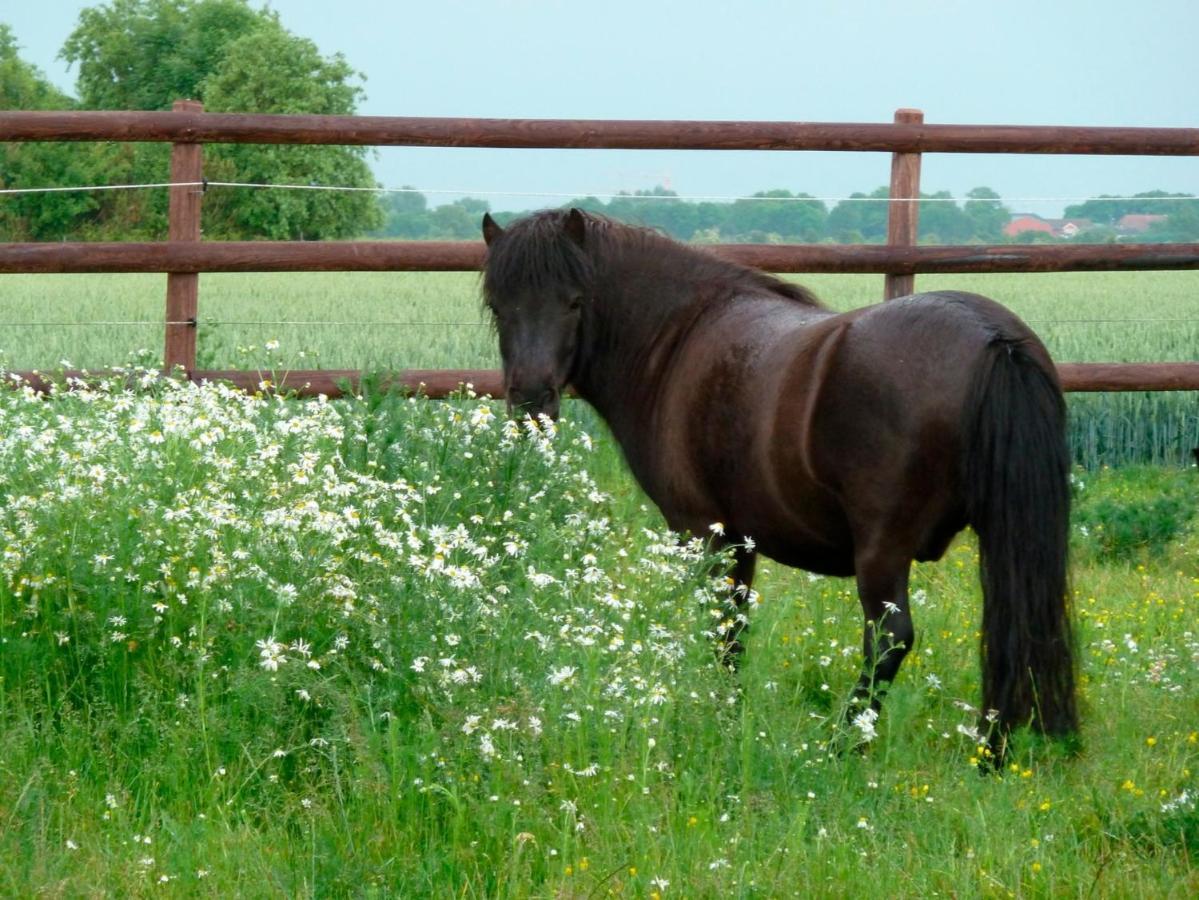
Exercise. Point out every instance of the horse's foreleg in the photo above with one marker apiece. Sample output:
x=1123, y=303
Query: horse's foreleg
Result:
x=742, y=578
x=744, y=563
x=888, y=632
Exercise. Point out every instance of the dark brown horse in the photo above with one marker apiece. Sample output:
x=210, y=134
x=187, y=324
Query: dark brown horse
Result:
x=845, y=444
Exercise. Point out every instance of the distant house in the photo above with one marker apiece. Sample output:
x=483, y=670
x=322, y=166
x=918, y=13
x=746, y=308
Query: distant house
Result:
x=1137, y=223
x=1060, y=228
x=1022, y=222
x=1069, y=228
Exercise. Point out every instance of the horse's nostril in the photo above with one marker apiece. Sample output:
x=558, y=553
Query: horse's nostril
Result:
x=534, y=402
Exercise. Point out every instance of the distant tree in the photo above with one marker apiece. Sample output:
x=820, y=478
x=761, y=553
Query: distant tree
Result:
x=404, y=214
x=712, y=219
x=474, y=206
x=458, y=220
x=1108, y=210
x=588, y=204
x=1098, y=234
x=36, y=164
x=988, y=214
x=656, y=208
x=1031, y=237
x=860, y=219
x=943, y=221
x=792, y=217
x=1181, y=224
x=145, y=54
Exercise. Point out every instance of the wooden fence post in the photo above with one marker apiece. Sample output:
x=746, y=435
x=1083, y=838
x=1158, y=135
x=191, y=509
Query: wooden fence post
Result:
x=183, y=224
x=903, y=212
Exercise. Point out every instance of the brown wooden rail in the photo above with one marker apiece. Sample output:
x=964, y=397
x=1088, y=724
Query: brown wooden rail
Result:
x=462, y=256
x=618, y=134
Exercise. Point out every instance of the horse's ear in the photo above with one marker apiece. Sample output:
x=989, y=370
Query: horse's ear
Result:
x=491, y=229
x=576, y=226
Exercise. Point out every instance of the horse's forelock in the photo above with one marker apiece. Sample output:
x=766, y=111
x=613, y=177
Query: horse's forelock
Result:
x=535, y=253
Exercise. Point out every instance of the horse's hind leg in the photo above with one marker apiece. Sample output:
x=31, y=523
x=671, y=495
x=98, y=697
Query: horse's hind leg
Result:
x=888, y=633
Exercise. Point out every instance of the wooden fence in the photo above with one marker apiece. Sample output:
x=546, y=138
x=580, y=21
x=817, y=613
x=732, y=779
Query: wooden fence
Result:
x=184, y=256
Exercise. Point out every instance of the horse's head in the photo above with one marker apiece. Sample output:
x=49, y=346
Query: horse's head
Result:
x=535, y=284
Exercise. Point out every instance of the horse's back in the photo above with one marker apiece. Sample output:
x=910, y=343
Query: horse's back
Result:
x=816, y=430
x=806, y=429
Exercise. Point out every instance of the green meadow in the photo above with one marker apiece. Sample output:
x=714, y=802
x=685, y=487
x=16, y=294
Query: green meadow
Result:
x=391, y=647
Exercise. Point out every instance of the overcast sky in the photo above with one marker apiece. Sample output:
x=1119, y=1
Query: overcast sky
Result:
x=1035, y=62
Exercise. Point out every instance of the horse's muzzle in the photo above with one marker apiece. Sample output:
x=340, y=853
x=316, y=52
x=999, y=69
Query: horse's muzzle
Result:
x=534, y=402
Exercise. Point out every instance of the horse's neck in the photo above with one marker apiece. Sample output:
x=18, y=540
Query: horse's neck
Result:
x=640, y=320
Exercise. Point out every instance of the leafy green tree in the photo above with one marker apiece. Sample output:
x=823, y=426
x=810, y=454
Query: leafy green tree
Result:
x=22, y=85
x=862, y=218
x=145, y=54
x=474, y=205
x=1181, y=223
x=271, y=70
x=656, y=208
x=458, y=220
x=39, y=164
x=712, y=220
x=988, y=214
x=1108, y=210
x=405, y=214
x=793, y=217
x=943, y=221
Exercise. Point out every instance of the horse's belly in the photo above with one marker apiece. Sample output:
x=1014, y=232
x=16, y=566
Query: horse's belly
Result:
x=823, y=560
x=810, y=534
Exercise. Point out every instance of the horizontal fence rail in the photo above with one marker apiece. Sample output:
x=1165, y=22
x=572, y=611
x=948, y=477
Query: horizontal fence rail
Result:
x=439, y=384
x=465, y=256
x=596, y=134
x=184, y=255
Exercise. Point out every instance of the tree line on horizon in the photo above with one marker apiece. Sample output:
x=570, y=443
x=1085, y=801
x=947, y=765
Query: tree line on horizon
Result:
x=145, y=54
x=780, y=216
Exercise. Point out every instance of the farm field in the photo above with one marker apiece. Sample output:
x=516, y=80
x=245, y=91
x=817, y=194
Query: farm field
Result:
x=434, y=319
x=392, y=647
x=379, y=321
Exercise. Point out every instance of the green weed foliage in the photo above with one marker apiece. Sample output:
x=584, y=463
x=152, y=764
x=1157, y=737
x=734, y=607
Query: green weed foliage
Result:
x=1138, y=518
x=252, y=646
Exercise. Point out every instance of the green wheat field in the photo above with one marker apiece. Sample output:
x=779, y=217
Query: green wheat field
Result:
x=387, y=321
x=390, y=647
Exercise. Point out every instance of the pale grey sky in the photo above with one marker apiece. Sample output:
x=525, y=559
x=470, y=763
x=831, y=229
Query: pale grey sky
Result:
x=1046, y=62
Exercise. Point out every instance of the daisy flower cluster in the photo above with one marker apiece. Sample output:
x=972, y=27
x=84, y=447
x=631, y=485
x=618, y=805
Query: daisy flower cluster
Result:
x=282, y=569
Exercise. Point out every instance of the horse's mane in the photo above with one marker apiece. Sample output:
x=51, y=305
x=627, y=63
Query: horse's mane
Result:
x=537, y=252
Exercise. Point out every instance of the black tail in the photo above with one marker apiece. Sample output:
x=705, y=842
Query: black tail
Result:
x=1018, y=470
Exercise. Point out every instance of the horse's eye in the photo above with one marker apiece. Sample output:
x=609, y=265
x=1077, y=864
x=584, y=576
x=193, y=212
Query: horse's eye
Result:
x=576, y=303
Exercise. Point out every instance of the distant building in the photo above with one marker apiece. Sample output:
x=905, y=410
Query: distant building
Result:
x=1022, y=222
x=1137, y=223
x=1060, y=228
x=1069, y=228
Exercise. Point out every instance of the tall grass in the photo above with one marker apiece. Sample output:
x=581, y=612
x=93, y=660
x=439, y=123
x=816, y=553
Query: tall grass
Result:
x=388, y=647
x=378, y=321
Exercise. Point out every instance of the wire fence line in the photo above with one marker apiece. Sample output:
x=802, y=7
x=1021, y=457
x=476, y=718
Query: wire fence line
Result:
x=205, y=184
